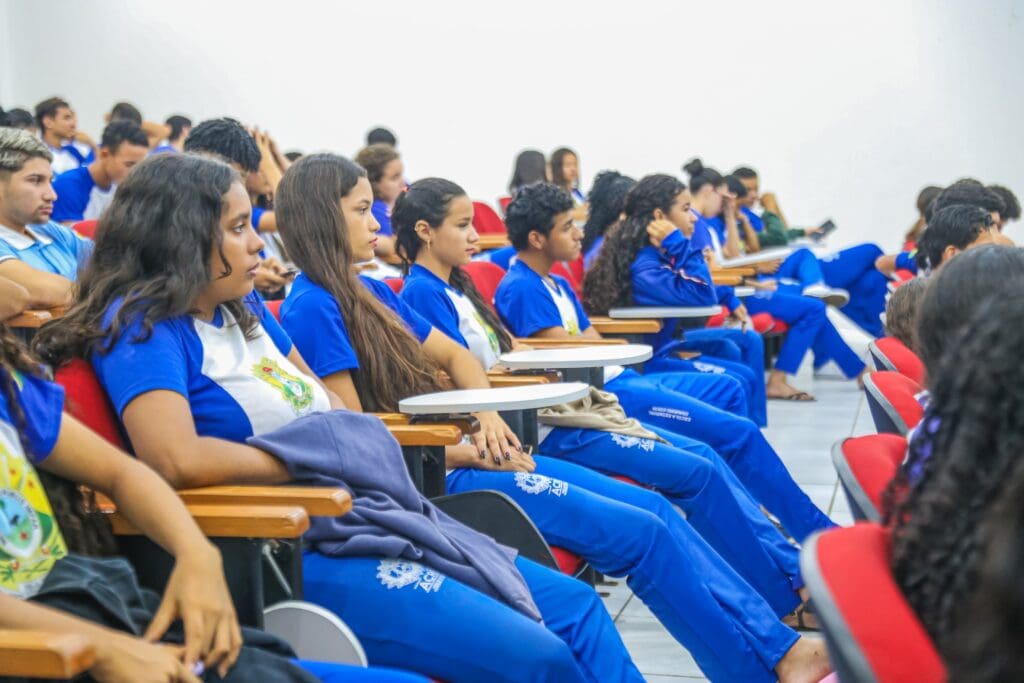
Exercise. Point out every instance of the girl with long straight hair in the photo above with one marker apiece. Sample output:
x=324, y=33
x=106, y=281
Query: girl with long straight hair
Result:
x=195, y=366
x=622, y=530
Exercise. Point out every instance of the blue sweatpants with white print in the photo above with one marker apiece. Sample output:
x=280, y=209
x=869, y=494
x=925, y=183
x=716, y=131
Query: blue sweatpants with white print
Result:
x=731, y=631
x=801, y=268
x=739, y=352
x=715, y=502
x=854, y=270
x=717, y=389
x=658, y=401
x=410, y=617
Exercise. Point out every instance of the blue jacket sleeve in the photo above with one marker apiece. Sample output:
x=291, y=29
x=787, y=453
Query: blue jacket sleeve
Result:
x=657, y=283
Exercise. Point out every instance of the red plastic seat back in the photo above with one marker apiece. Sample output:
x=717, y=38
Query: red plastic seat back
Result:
x=891, y=398
x=503, y=202
x=486, y=220
x=872, y=632
x=85, y=228
x=866, y=465
x=87, y=402
x=559, y=268
x=395, y=283
x=275, y=308
x=486, y=276
x=892, y=354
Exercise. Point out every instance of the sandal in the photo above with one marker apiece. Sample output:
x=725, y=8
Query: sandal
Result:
x=799, y=396
x=802, y=618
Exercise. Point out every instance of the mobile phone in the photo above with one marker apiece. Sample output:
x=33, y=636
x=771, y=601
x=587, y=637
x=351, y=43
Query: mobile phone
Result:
x=291, y=272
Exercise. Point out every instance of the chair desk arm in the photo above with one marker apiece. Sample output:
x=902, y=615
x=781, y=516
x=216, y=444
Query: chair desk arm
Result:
x=606, y=325
x=492, y=240
x=236, y=521
x=727, y=280
x=541, y=343
x=506, y=379
x=317, y=501
x=37, y=654
x=426, y=434
x=741, y=271
x=34, y=318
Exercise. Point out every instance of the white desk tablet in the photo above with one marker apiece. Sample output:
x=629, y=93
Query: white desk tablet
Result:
x=659, y=312
x=577, y=357
x=504, y=399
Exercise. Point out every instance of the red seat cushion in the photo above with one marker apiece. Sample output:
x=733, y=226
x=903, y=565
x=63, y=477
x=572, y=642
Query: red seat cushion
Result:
x=486, y=276
x=486, y=220
x=86, y=401
x=395, y=283
x=85, y=228
x=568, y=563
x=275, y=308
x=901, y=358
x=899, y=393
x=850, y=566
x=874, y=460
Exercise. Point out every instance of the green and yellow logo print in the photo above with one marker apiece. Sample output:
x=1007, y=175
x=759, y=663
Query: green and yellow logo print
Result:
x=30, y=541
x=296, y=392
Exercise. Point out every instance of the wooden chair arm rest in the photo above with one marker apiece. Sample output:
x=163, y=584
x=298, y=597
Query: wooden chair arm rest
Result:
x=492, y=240
x=506, y=379
x=393, y=418
x=426, y=434
x=727, y=280
x=317, y=501
x=35, y=318
x=606, y=325
x=236, y=521
x=742, y=271
x=538, y=343
x=37, y=654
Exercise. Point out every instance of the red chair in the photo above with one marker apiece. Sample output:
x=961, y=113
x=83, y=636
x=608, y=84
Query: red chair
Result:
x=486, y=276
x=893, y=403
x=559, y=268
x=395, y=283
x=891, y=354
x=85, y=228
x=486, y=220
x=873, y=635
x=866, y=465
x=87, y=402
x=503, y=202
x=275, y=308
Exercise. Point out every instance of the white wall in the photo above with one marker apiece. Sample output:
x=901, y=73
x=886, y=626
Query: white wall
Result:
x=6, y=69
x=847, y=110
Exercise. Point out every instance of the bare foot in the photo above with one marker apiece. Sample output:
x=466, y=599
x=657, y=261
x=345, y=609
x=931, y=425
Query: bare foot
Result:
x=806, y=662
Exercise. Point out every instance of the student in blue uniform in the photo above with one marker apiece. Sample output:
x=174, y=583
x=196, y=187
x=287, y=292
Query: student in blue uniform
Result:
x=58, y=129
x=62, y=556
x=42, y=256
x=85, y=192
x=387, y=177
x=850, y=271
x=565, y=172
x=532, y=301
x=374, y=350
x=606, y=199
x=431, y=229
x=175, y=331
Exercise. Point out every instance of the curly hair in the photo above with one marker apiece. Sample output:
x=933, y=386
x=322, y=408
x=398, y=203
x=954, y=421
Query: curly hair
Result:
x=986, y=647
x=392, y=364
x=152, y=253
x=429, y=200
x=971, y=446
x=606, y=199
x=966, y=191
x=954, y=225
x=608, y=284
x=1011, y=204
x=534, y=209
x=85, y=530
x=229, y=140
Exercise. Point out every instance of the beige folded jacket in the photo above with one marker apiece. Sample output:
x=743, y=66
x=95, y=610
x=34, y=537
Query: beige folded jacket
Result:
x=599, y=410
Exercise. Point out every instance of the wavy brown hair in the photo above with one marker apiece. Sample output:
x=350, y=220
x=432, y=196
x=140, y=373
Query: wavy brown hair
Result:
x=392, y=364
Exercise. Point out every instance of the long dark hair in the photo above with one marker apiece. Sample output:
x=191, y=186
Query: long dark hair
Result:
x=530, y=167
x=428, y=200
x=152, y=252
x=608, y=283
x=392, y=365
x=556, y=162
x=606, y=199
x=972, y=436
x=86, y=531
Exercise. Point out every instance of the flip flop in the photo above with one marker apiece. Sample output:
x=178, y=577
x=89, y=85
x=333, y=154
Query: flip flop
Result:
x=802, y=619
x=799, y=396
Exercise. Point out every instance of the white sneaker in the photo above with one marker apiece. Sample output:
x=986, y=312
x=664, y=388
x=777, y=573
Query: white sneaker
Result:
x=832, y=297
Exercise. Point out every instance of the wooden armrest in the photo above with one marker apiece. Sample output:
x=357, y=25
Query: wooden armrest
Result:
x=236, y=521
x=467, y=424
x=393, y=418
x=728, y=280
x=35, y=318
x=317, y=501
x=606, y=325
x=426, y=434
x=742, y=271
x=538, y=343
x=492, y=240
x=507, y=379
x=45, y=655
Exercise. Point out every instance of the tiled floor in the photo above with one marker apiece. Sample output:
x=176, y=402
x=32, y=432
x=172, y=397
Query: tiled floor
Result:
x=802, y=434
